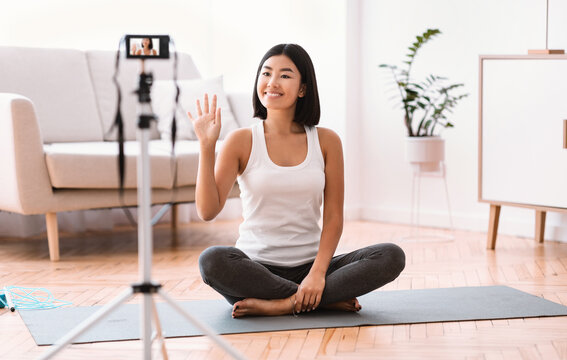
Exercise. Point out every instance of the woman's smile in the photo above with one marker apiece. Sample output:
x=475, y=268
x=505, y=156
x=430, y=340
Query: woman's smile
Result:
x=273, y=94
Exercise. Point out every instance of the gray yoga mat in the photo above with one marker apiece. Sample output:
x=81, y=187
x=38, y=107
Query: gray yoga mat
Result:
x=378, y=308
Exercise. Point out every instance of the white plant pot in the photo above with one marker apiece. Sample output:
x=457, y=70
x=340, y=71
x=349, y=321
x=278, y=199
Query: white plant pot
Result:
x=425, y=153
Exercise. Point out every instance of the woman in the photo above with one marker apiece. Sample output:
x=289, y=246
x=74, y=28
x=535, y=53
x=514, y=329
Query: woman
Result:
x=283, y=261
x=147, y=47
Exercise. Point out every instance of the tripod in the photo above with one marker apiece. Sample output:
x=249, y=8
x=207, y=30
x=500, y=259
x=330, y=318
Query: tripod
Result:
x=145, y=248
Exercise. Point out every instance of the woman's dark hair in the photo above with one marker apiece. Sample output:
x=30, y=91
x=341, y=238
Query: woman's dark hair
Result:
x=308, y=109
x=150, y=45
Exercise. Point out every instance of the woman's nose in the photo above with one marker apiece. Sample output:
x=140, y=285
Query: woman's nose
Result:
x=273, y=81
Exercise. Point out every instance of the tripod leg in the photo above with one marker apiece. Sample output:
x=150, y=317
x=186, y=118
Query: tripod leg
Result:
x=159, y=331
x=146, y=325
x=86, y=324
x=203, y=327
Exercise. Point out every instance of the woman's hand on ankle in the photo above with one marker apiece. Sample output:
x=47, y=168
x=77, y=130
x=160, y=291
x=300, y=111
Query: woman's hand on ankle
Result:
x=309, y=293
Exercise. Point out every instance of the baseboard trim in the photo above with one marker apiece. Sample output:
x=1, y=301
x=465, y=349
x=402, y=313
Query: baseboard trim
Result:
x=510, y=224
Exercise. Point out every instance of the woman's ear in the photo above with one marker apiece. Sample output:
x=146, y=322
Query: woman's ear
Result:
x=302, y=90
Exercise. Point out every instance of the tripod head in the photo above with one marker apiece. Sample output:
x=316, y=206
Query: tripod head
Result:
x=144, y=98
x=144, y=85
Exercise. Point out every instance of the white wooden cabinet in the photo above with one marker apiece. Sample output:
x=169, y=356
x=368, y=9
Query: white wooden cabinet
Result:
x=523, y=135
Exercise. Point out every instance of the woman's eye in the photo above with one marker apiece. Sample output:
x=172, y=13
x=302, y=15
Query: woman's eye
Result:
x=286, y=77
x=266, y=74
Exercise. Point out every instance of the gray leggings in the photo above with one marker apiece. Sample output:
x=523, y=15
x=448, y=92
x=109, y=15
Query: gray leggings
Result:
x=235, y=276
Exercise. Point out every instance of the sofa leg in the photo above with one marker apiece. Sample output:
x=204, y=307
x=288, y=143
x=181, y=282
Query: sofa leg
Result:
x=52, y=236
x=174, y=216
x=174, y=223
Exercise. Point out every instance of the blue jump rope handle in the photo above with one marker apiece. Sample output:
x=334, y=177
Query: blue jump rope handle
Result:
x=3, y=298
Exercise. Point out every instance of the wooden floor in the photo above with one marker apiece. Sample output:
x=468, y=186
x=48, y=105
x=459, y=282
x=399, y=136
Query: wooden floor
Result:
x=94, y=268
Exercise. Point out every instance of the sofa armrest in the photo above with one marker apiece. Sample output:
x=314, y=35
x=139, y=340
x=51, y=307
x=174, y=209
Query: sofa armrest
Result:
x=24, y=180
x=241, y=105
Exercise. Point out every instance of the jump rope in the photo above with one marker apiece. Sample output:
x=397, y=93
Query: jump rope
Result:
x=22, y=298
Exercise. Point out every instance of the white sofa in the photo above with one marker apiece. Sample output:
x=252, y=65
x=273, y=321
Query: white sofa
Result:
x=56, y=107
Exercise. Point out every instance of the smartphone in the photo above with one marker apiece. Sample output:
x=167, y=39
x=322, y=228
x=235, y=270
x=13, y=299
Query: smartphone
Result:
x=147, y=46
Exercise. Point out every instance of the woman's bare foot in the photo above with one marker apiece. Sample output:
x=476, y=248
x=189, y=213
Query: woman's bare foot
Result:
x=347, y=305
x=253, y=306
x=261, y=307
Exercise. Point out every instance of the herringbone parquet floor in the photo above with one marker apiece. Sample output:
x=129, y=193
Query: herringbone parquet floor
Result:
x=96, y=267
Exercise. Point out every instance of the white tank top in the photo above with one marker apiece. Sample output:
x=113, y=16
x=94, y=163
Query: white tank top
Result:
x=281, y=204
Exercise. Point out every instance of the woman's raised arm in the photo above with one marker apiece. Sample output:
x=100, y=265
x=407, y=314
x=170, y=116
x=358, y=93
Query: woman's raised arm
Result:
x=215, y=177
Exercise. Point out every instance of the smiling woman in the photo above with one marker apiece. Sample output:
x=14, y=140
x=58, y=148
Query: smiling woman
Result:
x=283, y=261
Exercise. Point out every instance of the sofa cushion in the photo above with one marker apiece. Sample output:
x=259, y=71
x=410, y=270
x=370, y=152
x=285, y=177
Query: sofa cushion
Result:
x=58, y=83
x=189, y=91
x=187, y=158
x=93, y=165
x=102, y=65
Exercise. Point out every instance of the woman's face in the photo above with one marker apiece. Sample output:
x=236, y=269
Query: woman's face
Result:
x=145, y=43
x=279, y=83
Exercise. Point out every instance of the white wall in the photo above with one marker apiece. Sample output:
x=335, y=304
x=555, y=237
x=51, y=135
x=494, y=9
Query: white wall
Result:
x=387, y=28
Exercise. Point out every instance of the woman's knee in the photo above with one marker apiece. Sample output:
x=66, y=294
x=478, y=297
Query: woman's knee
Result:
x=398, y=257
x=393, y=255
x=215, y=260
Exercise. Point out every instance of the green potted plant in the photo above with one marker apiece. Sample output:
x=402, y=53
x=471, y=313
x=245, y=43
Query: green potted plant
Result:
x=426, y=105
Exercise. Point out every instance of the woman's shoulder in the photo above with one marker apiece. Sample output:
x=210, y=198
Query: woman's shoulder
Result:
x=325, y=131
x=328, y=137
x=239, y=139
x=244, y=133
x=239, y=135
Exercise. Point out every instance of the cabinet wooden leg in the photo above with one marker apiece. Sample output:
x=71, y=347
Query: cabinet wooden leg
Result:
x=539, y=225
x=52, y=236
x=493, y=226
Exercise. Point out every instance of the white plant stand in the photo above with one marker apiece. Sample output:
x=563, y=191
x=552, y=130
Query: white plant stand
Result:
x=416, y=233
